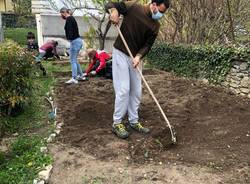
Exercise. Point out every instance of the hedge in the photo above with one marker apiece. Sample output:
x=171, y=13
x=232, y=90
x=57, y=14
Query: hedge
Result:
x=16, y=83
x=210, y=62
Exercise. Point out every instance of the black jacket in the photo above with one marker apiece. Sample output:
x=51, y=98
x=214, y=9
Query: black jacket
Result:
x=71, y=28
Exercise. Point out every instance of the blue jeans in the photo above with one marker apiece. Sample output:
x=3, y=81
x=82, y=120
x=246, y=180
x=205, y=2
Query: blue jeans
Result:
x=40, y=56
x=75, y=47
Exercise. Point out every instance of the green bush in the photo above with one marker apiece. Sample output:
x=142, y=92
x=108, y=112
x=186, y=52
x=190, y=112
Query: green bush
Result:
x=211, y=62
x=16, y=84
x=26, y=21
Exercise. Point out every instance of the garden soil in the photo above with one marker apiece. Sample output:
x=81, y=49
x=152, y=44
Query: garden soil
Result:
x=212, y=124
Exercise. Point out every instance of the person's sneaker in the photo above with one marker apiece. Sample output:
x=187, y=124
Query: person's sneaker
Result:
x=72, y=81
x=120, y=131
x=80, y=78
x=139, y=128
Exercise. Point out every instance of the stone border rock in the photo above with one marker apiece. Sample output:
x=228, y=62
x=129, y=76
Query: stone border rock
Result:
x=43, y=175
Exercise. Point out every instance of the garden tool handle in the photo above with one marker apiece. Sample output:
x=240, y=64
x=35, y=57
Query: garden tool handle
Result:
x=146, y=83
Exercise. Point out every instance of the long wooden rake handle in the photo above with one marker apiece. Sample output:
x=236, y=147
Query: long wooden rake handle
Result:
x=149, y=89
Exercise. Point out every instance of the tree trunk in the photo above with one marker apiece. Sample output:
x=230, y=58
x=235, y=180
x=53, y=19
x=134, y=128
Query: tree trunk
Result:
x=101, y=43
x=5, y=6
x=102, y=36
x=231, y=21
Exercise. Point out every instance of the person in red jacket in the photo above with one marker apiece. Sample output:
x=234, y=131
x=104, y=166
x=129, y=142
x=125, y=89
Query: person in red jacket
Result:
x=97, y=62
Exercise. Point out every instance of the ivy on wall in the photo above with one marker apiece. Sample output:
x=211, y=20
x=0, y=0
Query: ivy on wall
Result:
x=210, y=62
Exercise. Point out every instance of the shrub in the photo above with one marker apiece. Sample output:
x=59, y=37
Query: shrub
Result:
x=26, y=21
x=211, y=62
x=16, y=84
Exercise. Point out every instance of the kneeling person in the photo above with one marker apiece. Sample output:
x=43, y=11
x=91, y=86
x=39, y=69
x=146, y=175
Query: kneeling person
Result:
x=97, y=62
x=48, y=50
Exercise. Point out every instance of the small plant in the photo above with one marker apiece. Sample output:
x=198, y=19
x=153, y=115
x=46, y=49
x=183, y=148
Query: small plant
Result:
x=146, y=153
x=158, y=142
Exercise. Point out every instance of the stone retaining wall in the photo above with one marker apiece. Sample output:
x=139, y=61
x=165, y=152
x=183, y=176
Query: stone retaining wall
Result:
x=238, y=79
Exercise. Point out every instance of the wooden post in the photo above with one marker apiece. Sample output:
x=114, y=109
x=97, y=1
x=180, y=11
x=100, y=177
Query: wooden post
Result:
x=1, y=28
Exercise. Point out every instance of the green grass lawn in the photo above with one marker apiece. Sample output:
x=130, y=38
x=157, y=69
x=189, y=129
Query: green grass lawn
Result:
x=18, y=34
x=23, y=161
x=56, y=68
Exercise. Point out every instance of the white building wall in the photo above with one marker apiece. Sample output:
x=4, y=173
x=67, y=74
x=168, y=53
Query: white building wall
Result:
x=51, y=26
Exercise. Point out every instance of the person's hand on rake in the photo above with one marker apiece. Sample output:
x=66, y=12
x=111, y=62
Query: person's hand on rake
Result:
x=136, y=61
x=114, y=16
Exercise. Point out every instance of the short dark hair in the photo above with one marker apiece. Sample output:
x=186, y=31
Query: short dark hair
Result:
x=30, y=35
x=70, y=11
x=165, y=2
x=92, y=54
x=64, y=10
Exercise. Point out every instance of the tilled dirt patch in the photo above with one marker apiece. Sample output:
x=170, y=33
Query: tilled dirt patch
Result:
x=213, y=125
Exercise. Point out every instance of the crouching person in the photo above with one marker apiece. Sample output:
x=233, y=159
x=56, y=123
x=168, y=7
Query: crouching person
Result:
x=97, y=63
x=48, y=50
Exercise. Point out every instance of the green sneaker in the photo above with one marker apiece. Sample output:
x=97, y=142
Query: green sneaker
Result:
x=139, y=128
x=120, y=131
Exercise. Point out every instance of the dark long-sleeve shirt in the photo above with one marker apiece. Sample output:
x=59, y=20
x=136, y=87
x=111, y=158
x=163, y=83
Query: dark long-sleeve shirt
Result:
x=138, y=28
x=71, y=28
x=32, y=45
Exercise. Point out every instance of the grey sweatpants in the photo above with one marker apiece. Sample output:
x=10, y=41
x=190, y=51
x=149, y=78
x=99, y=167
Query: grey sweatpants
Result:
x=127, y=85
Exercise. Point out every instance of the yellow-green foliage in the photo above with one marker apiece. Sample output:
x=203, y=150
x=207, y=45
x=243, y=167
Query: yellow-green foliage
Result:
x=90, y=38
x=15, y=75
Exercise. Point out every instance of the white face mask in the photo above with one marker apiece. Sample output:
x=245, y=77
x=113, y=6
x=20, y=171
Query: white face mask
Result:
x=157, y=15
